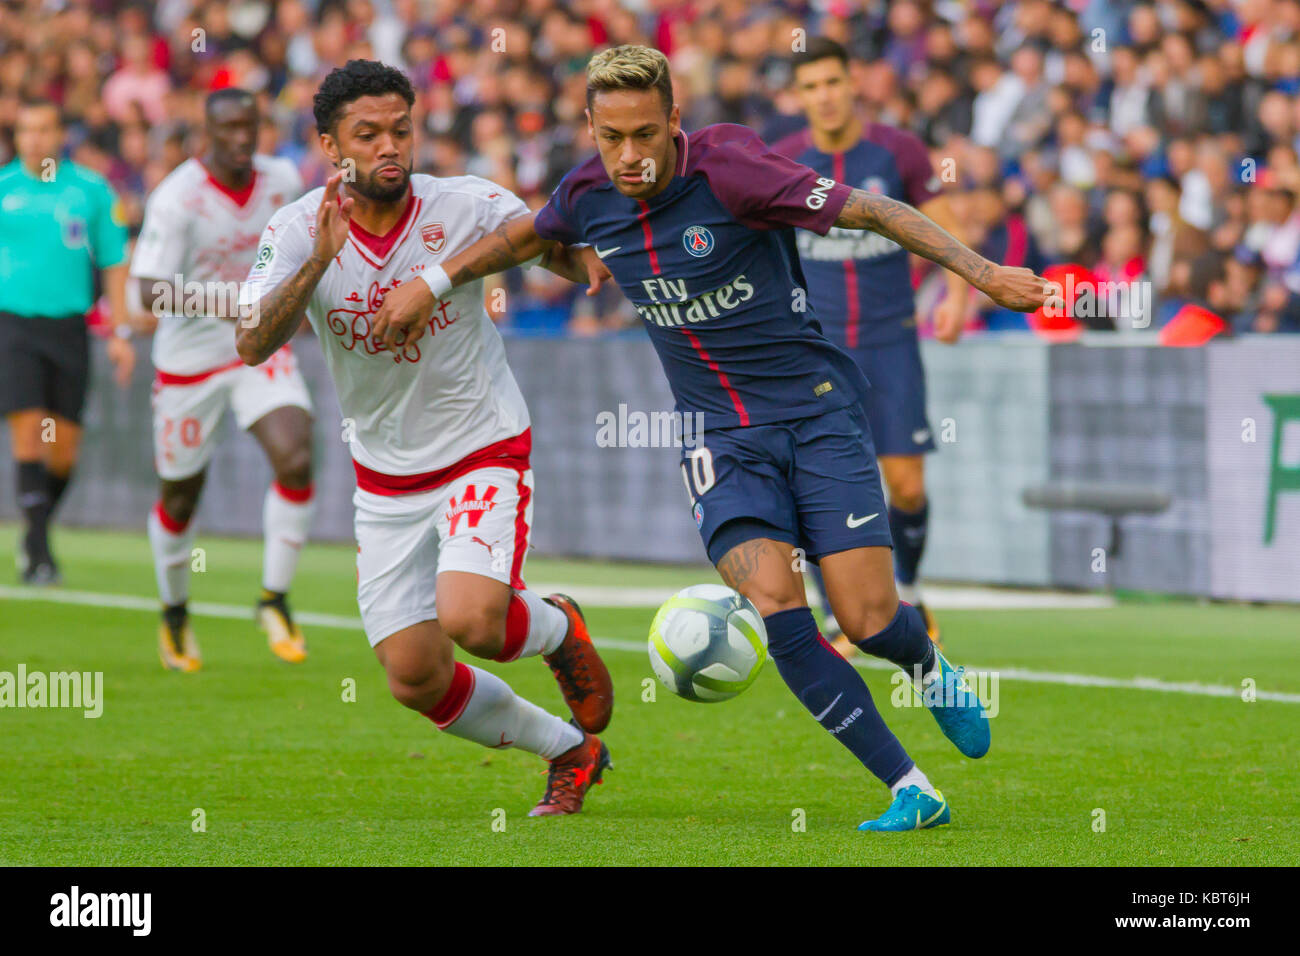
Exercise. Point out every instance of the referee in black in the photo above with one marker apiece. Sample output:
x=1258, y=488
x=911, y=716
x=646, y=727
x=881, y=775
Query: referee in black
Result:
x=59, y=223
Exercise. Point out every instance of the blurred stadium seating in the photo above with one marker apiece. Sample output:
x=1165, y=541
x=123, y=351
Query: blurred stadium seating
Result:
x=1130, y=139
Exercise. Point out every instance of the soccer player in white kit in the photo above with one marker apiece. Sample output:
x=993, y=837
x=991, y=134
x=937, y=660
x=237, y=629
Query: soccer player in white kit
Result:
x=439, y=434
x=197, y=243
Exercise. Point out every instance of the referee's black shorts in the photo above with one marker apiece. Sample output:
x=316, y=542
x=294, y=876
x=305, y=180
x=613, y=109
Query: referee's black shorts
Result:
x=44, y=363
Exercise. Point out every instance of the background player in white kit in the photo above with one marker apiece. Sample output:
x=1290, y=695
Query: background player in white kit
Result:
x=441, y=440
x=201, y=226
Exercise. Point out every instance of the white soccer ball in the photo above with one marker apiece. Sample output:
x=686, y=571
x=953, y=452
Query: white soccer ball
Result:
x=707, y=643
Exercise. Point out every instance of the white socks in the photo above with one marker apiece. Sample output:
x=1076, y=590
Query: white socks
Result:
x=913, y=776
x=481, y=707
x=532, y=627
x=286, y=520
x=171, y=543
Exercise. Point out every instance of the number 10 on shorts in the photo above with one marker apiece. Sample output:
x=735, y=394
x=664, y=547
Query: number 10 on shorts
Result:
x=697, y=472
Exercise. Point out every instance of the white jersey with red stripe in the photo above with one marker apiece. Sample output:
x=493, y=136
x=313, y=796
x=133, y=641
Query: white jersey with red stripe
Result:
x=198, y=229
x=440, y=398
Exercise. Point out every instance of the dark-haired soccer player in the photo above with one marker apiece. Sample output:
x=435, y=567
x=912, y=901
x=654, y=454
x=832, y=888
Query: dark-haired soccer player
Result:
x=440, y=437
x=697, y=231
x=197, y=243
x=860, y=287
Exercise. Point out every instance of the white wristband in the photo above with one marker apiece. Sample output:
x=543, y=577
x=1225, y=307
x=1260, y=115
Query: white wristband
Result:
x=437, y=279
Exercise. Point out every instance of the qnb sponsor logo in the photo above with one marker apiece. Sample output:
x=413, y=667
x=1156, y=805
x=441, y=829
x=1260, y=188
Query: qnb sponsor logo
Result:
x=74, y=908
x=194, y=299
x=1123, y=301
x=672, y=304
x=840, y=244
x=637, y=429
x=817, y=198
x=80, y=690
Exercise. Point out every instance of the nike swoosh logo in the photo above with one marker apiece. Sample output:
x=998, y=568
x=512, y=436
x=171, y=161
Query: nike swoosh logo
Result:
x=828, y=709
x=602, y=253
x=934, y=816
x=856, y=522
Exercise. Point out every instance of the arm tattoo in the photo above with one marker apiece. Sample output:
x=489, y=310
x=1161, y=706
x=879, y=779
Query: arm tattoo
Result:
x=915, y=232
x=279, y=313
x=564, y=261
x=494, y=253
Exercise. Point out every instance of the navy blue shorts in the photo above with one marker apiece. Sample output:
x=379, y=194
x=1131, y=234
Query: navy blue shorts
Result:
x=895, y=405
x=812, y=482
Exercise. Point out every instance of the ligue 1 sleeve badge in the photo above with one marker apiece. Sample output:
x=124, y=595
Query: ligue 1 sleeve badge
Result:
x=698, y=241
x=434, y=236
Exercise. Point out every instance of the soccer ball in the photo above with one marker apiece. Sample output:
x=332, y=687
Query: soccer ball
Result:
x=707, y=643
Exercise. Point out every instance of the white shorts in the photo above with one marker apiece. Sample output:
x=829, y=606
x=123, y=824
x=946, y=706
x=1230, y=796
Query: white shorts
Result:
x=187, y=409
x=479, y=522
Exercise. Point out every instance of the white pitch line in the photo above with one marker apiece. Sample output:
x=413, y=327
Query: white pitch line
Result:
x=131, y=602
x=937, y=597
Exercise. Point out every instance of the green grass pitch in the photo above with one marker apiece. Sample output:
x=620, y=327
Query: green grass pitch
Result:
x=286, y=772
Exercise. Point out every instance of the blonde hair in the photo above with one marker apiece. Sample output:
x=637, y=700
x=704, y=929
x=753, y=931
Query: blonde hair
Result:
x=630, y=67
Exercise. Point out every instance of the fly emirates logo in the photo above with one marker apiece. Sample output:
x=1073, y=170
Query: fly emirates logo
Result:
x=671, y=304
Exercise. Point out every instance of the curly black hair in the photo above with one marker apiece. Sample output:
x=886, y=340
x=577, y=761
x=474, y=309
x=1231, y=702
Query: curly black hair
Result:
x=351, y=82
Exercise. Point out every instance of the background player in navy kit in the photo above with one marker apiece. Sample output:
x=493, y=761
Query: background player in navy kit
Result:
x=860, y=288
x=697, y=231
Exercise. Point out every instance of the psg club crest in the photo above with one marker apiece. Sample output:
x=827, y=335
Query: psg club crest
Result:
x=874, y=184
x=698, y=513
x=698, y=241
x=434, y=236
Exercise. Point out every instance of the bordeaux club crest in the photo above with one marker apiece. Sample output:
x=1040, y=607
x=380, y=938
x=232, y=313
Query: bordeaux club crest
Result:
x=434, y=236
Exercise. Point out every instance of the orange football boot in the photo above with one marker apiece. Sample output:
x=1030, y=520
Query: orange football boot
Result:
x=583, y=678
x=572, y=774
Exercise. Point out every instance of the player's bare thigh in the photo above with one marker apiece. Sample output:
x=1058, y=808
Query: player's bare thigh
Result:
x=860, y=587
x=905, y=478
x=765, y=571
x=418, y=661
x=472, y=611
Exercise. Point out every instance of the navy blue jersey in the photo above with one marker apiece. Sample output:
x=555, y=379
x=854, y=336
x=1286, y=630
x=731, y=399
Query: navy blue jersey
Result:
x=710, y=264
x=860, y=282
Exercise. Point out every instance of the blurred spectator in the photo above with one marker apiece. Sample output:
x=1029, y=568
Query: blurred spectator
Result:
x=1094, y=132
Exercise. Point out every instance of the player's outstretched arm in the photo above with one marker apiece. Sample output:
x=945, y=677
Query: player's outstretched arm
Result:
x=1009, y=286
x=405, y=311
x=271, y=321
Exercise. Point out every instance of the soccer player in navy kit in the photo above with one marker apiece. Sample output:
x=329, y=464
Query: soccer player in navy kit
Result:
x=860, y=288
x=698, y=232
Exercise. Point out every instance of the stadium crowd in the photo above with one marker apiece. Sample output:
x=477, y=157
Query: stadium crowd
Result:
x=1148, y=141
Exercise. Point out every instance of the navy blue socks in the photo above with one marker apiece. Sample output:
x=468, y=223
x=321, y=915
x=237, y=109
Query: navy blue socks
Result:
x=908, y=531
x=834, y=693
